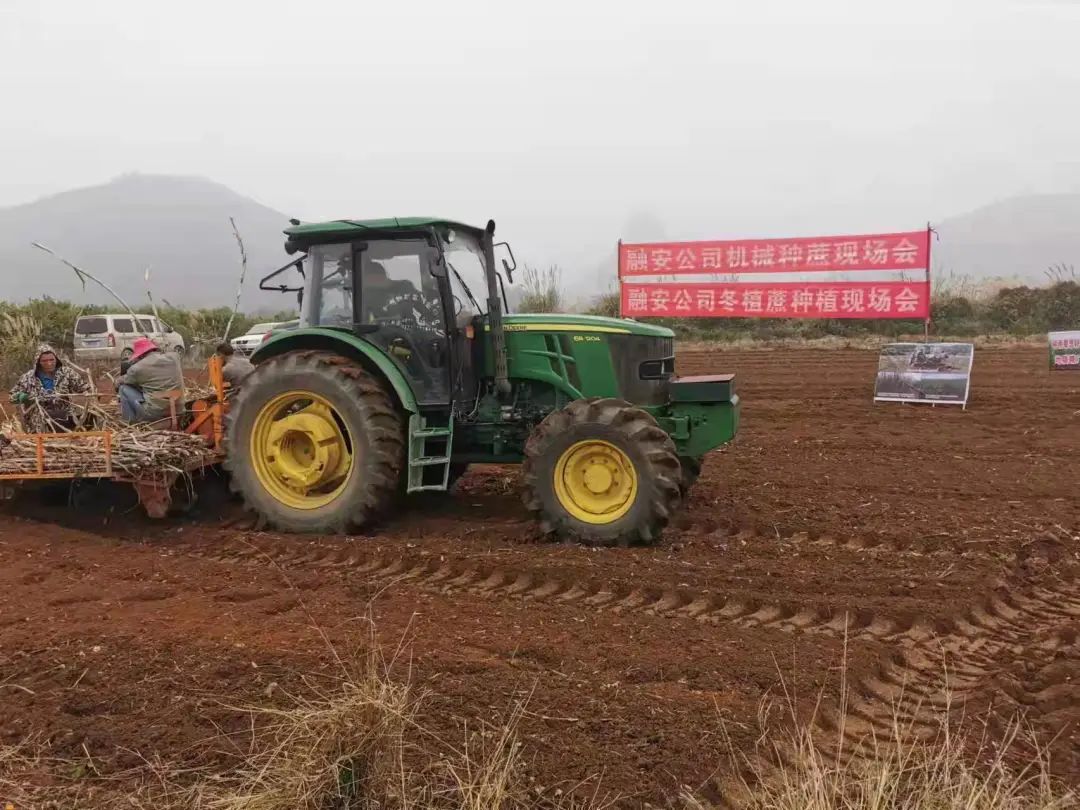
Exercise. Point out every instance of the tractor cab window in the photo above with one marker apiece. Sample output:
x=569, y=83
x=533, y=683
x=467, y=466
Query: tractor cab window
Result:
x=331, y=269
x=398, y=287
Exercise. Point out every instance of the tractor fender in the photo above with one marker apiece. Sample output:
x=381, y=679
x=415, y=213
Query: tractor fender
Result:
x=347, y=345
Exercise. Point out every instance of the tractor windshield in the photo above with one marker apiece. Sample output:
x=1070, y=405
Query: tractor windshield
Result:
x=467, y=278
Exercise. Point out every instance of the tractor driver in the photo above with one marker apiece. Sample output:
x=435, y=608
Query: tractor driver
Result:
x=387, y=299
x=398, y=302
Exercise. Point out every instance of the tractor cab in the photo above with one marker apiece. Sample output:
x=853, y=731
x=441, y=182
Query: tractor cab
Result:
x=417, y=289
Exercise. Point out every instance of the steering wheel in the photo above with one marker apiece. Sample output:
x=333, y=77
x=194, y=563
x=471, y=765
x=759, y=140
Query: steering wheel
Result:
x=396, y=336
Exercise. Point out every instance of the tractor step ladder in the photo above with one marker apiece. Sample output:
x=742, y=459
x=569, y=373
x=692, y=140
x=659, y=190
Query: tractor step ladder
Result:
x=421, y=456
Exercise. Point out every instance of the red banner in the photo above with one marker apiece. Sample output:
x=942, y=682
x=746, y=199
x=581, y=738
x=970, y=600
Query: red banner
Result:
x=828, y=299
x=840, y=254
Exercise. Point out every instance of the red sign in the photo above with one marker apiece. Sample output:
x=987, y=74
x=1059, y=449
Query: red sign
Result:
x=827, y=299
x=844, y=254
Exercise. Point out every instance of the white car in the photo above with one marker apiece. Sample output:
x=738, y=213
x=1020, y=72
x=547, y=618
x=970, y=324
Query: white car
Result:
x=253, y=338
x=111, y=337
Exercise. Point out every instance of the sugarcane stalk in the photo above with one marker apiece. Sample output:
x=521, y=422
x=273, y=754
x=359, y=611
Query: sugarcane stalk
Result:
x=240, y=286
x=153, y=304
x=83, y=275
x=134, y=451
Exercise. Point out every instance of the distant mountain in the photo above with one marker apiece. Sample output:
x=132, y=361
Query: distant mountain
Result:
x=1019, y=237
x=179, y=225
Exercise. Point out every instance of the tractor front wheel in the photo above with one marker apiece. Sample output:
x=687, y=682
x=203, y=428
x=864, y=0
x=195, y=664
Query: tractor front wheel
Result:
x=314, y=443
x=602, y=471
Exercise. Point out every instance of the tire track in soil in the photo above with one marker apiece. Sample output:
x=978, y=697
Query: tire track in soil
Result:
x=932, y=667
x=923, y=547
x=525, y=584
x=925, y=681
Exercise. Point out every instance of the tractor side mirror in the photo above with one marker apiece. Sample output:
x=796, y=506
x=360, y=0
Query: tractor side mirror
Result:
x=508, y=266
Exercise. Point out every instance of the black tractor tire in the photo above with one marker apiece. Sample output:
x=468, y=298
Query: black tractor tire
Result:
x=375, y=425
x=457, y=470
x=633, y=431
x=691, y=470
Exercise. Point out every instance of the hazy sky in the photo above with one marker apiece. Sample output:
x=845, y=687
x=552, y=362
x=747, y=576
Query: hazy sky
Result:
x=565, y=121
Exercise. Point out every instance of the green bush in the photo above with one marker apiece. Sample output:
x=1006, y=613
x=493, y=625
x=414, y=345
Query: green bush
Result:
x=1012, y=307
x=1059, y=306
x=55, y=319
x=205, y=327
x=54, y=322
x=952, y=308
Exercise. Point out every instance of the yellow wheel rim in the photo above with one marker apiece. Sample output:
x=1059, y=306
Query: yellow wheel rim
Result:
x=300, y=450
x=595, y=482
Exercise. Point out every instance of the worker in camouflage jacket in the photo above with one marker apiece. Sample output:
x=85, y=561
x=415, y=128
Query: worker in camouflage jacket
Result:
x=43, y=394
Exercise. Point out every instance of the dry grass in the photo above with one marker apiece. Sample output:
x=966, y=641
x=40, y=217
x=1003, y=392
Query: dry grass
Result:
x=926, y=759
x=900, y=774
x=360, y=747
x=542, y=290
x=355, y=745
x=950, y=284
x=19, y=338
x=31, y=780
x=339, y=748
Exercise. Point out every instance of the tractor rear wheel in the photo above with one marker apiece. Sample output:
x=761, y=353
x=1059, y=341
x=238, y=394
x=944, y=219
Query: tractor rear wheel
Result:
x=602, y=471
x=314, y=443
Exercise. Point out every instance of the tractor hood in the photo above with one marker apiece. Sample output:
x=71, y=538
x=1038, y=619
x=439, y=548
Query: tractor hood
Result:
x=582, y=323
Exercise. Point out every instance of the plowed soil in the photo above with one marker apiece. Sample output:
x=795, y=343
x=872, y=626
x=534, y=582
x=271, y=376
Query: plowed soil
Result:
x=923, y=551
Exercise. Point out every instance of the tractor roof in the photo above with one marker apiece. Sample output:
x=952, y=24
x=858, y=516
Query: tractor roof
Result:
x=337, y=228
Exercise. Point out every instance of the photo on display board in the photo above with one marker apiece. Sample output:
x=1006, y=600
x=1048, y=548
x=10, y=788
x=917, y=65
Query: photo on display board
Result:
x=935, y=373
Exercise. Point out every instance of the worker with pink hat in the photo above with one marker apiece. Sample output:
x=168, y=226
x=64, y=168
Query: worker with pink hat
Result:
x=150, y=374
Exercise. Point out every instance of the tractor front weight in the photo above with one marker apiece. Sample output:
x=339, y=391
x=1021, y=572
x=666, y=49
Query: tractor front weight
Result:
x=702, y=413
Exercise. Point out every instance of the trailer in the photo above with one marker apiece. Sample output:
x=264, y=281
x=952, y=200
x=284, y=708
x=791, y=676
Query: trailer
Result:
x=26, y=458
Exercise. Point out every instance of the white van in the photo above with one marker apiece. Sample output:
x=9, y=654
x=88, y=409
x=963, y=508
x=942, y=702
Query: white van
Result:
x=252, y=338
x=110, y=337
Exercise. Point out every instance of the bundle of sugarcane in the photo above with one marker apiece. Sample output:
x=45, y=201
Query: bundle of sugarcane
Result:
x=135, y=451
x=198, y=390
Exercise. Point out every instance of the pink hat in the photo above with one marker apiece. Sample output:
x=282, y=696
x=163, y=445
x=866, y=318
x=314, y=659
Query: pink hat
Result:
x=142, y=346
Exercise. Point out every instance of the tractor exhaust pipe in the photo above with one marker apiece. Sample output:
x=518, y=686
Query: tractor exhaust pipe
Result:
x=495, y=313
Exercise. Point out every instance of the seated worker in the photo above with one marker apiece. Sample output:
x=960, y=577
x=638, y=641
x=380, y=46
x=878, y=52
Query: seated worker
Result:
x=44, y=393
x=150, y=373
x=234, y=367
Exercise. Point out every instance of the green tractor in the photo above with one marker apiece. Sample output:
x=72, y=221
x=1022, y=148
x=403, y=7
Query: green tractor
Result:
x=405, y=370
